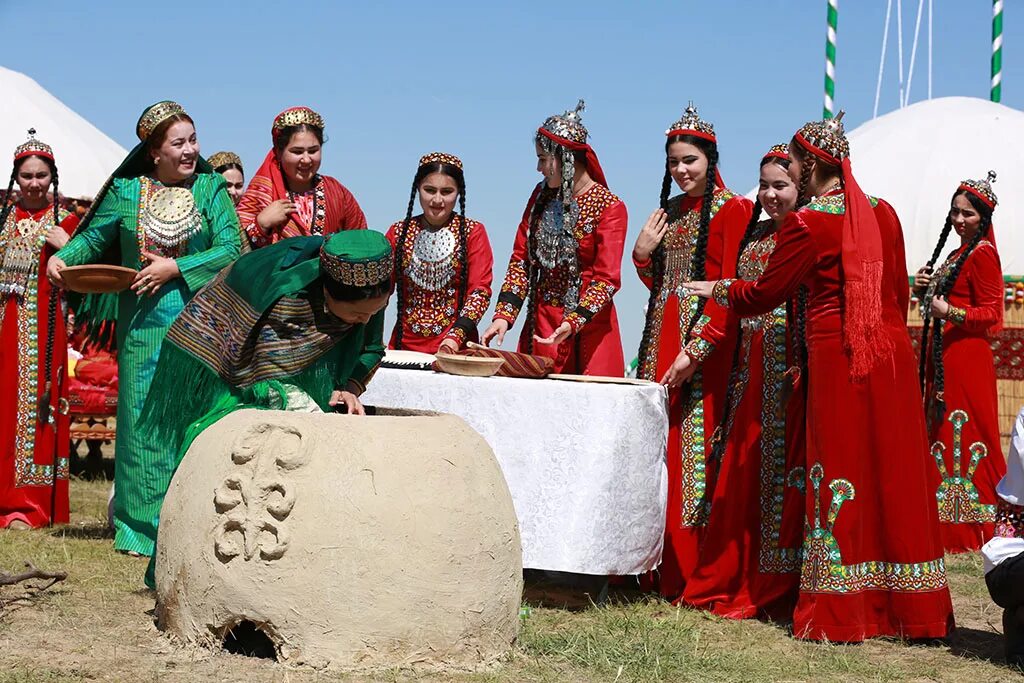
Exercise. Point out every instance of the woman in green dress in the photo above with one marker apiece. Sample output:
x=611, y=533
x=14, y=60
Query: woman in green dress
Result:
x=298, y=325
x=166, y=213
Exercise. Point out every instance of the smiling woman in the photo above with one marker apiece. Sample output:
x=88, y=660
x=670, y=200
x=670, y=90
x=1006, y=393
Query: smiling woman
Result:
x=288, y=197
x=165, y=213
x=443, y=265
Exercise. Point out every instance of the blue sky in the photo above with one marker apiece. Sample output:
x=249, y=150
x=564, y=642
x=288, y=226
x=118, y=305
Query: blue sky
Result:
x=395, y=80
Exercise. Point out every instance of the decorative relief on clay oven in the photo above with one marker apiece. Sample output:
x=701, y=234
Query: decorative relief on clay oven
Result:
x=255, y=498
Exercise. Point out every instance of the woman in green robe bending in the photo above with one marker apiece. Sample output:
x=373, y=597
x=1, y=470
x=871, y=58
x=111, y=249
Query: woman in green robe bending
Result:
x=297, y=325
x=166, y=213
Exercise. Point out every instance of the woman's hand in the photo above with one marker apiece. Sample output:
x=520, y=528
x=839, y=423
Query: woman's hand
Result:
x=275, y=215
x=922, y=278
x=701, y=288
x=159, y=272
x=651, y=235
x=57, y=237
x=496, y=331
x=349, y=400
x=53, y=267
x=940, y=307
x=560, y=334
x=448, y=346
x=680, y=371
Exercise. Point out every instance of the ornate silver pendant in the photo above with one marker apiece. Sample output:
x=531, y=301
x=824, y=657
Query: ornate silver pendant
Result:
x=431, y=266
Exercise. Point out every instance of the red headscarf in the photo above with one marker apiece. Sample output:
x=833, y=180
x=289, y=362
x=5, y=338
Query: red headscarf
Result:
x=593, y=165
x=268, y=184
x=862, y=266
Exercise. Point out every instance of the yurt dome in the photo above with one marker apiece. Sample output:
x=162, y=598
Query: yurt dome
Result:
x=85, y=155
x=915, y=157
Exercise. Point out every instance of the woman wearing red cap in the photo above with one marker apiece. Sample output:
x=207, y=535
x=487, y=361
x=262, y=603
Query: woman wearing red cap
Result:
x=872, y=553
x=691, y=236
x=749, y=561
x=288, y=197
x=962, y=306
x=33, y=346
x=567, y=258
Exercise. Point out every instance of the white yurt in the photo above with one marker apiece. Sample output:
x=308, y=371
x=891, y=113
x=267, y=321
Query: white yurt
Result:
x=916, y=156
x=85, y=155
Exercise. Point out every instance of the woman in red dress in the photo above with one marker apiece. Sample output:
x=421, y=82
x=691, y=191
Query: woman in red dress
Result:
x=872, y=559
x=443, y=264
x=288, y=197
x=962, y=305
x=692, y=236
x=33, y=347
x=749, y=563
x=567, y=258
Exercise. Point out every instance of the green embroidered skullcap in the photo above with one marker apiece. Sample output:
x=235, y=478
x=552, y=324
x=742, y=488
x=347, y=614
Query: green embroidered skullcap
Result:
x=357, y=258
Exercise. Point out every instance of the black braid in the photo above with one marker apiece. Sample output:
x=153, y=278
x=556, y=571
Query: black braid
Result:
x=8, y=203
x=463, y=253
x=800, y=323
x=666, y=188
x=657, y=281
x=942, y=241
x=403, y=235
x=755, y=231
x=547, y=194
x=700, y=252
x=56, y=192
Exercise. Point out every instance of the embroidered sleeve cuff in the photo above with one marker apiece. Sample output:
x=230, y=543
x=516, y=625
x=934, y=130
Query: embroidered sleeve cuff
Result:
x=575, y=320
x=460, y=331
x=508, y=307
x=256, y=236
x=644, y=268
x=698, y=350
x=957, y=316
x=720, y=292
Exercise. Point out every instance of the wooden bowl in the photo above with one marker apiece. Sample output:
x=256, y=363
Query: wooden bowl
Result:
x=469, y=366
x=98, y=278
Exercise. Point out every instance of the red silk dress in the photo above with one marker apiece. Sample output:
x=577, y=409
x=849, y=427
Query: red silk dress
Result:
x=29, y=448
x=872, y=559
x=695, y=407
x=429, y=271
x=594, y=347
x=749, y=562
x=966, y=444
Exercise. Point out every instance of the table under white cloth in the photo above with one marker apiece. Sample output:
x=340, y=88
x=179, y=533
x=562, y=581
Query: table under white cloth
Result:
x=585, y=462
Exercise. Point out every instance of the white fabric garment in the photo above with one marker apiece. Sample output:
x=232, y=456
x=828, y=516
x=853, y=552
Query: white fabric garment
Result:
x=585, y=462
x=1010, y=489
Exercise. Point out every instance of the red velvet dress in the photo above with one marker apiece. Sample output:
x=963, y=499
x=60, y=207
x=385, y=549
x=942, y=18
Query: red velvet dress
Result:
x=29, y=448
x=428, y=270
x=966, y=443
x=695, y=407
x=749, y=562
x=594, y=347
x=872, y=561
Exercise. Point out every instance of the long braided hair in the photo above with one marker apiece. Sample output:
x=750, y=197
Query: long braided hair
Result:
x=756, y=229
x=9, y=202
x=456, y=174
x=697, y=265
x=943, y=288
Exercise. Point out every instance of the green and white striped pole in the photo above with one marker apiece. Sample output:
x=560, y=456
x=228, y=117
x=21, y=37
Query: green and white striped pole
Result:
x=997, y=50
x=830, y=56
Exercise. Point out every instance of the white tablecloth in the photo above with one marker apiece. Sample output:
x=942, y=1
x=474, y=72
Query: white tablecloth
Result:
x=585, y=462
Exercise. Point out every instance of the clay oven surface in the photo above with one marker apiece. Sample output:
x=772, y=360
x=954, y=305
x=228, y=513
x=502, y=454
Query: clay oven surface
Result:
x=357, y=541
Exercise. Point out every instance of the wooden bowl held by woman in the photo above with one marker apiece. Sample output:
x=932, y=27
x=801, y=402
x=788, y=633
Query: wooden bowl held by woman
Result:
x=470, y=366
x=98, y=278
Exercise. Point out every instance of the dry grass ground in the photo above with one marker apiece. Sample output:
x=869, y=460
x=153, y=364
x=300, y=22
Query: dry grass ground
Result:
x=98, y=626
